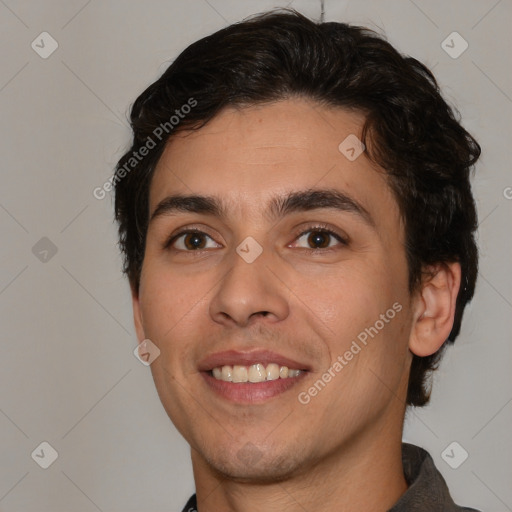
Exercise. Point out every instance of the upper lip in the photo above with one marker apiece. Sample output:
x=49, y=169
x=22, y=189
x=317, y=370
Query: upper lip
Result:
x=248, y=358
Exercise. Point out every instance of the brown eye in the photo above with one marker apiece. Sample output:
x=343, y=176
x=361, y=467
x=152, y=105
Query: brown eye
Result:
x=190, y=241
x=321, y=238
x=194, y=241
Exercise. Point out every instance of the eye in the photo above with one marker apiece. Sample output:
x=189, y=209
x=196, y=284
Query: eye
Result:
x=190, y=240
x=320, y=237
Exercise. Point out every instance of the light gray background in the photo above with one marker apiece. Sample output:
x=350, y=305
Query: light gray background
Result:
x=68, y=375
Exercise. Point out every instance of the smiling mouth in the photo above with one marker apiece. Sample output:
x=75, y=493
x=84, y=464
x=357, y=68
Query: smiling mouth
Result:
x=251, y=376
x=254, y=373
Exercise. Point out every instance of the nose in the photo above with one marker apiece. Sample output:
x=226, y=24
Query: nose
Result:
x=248, y=291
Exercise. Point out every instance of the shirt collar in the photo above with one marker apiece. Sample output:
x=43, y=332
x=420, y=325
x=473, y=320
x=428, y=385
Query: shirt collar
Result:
x=427, y=488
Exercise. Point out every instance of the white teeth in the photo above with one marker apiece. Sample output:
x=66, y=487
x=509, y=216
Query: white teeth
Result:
x=226, y=373
x=254, y=373
x=257, y=373
x=240, y=373
x=272, y=371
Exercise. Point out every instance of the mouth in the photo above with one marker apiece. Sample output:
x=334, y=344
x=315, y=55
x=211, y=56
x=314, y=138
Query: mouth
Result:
x=255, y=373
x=251, y=377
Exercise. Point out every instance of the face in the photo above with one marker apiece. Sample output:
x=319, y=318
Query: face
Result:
x=292, y=260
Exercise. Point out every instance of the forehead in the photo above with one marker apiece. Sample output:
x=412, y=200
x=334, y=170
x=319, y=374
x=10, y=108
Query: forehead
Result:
x=247, y=155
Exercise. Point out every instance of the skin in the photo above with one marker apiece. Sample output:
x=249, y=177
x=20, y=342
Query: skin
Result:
x=329, y=453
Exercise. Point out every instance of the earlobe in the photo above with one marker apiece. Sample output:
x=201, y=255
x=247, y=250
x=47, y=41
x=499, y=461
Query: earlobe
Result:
x=137, y=315
x=435, y=309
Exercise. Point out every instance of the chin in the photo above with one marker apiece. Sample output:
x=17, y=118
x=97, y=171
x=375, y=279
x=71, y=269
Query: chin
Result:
x=252, y=464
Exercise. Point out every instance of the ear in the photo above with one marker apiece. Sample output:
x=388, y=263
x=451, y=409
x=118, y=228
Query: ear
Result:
x=137, y=314
x=434, y=309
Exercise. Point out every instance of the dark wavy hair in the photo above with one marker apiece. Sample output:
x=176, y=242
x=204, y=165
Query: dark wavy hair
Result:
x=409, y=130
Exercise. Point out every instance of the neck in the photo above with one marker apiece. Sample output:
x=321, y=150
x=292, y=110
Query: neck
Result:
x=366, y=474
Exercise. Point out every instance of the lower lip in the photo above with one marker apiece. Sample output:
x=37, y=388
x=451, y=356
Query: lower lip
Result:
x=251, y=392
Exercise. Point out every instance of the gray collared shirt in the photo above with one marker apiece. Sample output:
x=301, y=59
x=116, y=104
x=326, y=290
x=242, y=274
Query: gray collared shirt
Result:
x=427, y=490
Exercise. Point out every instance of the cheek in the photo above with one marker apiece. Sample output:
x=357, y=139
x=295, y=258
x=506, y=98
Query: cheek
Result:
x=352, y=299
x=167, y=304
x=365, y=311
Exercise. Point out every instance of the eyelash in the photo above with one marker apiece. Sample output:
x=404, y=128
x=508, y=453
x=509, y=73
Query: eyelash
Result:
x=319, y=228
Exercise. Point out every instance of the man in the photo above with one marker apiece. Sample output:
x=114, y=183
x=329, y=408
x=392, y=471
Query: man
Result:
x=298, y=227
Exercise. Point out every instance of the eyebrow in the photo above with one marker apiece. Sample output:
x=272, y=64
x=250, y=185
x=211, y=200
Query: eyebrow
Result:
x=278, y=207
